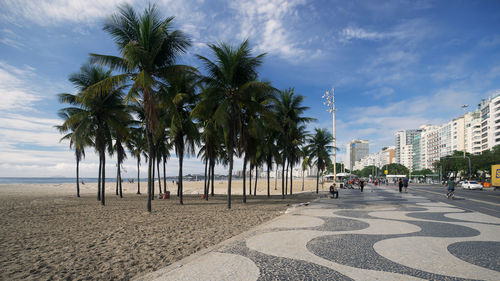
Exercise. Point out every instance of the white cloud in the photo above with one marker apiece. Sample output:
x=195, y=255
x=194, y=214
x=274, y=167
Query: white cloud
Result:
x=350, y=33
x=268, y=24
x=48, y=12
x=11, y=39
x=14, y=91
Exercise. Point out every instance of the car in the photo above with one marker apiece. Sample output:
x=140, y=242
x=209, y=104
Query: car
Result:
x=472, y=185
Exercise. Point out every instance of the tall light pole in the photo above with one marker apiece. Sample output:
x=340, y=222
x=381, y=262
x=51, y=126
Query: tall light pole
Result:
x=464, y=107
x=329, y=100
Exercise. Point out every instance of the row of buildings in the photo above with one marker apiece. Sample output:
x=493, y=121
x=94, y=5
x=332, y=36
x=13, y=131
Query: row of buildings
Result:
x=417, y=149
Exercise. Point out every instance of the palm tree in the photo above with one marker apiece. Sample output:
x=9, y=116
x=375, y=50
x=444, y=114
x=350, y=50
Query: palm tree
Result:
x=289, y=110
x=178, y=98
x=232, y=76
x=120, y=157
x=306, y=162
x=136, y=144
x=297, y=138
x=319, y=148
x=149, y=48
x=78, y=142
x=97, y=112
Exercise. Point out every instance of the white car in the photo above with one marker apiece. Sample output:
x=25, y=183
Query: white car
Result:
x=471, y=185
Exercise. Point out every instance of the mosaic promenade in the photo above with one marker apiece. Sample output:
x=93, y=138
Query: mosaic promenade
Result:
x=379, y=234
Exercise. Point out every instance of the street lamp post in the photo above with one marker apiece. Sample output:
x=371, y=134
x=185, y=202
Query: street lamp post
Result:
x=329, y=98
x=464, y=107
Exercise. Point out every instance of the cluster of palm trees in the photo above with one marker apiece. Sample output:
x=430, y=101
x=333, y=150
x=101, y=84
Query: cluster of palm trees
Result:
x=144, y=101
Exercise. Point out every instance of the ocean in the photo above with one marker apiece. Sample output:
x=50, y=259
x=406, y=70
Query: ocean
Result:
x=12, y=180
x=42, y=180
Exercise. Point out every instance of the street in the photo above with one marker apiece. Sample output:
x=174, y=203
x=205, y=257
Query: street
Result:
x=483, y=201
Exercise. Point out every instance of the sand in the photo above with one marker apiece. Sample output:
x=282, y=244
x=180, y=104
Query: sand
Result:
x=48, y=233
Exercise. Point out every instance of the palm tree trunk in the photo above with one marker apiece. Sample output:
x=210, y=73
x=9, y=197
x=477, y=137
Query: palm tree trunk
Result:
x=317, y=181
x=153, y=177
x=164, y=174
x=205, y=187
x=213, y=176
x=283, y=180
x=181, y=158
x=120, y=181
x=117, y=178
x=99, y=179
x=276, y=178
x=149, y=136
x=244, y=179
x=103, y=189
x=138, y=176
x=268, y=182
x=291, y=175
x=256, y=176
x=159, y=174
x=208, y=180
x=77, y=178
x=286, y=177
x=250, y=180
x=230, y=175
x=302, y=180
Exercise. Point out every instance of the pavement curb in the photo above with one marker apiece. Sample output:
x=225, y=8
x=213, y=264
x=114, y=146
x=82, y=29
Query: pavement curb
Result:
x=178, y=264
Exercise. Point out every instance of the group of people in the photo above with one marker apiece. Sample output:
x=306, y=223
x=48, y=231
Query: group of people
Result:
x=403, y=182
x=335, y=192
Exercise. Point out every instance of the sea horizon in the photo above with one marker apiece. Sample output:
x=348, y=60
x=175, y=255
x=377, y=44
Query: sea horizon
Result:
x=57, y=180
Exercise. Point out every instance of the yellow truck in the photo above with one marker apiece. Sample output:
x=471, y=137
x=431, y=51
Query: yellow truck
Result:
x=495, y=175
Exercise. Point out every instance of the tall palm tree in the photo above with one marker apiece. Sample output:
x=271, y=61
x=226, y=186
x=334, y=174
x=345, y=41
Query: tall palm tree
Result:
x=178, y=97
x=289, y=110
x=149, y=48
x=78, y=142
x=211, y=135
x=297, y=138
x=319, y=148
x=95, y=111
x=120, y=157
x=232, y=76
x=136, y=144
x=306, y=162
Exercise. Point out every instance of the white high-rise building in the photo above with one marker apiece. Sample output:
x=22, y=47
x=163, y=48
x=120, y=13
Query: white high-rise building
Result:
x=490, y=122
x=420, y=144
x=356, y=150
x=404, y=147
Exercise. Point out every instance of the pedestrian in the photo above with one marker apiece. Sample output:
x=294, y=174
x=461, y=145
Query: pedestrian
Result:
x=361, y=185
x=405, y=183
x=451, y=189
x=400, y=183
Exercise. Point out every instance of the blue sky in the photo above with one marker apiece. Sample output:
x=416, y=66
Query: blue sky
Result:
x=394, y=64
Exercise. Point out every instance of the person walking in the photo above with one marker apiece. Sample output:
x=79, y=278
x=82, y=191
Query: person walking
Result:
x=451, y=189
x=405, y=184
x=361, y=185
x=400, y=183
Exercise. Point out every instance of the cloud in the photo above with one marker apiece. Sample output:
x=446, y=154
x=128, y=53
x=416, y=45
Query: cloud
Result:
x=350, y=33
x=15, y=93
x=379, y=93
x=49, y=12
x=268, y=24
x=11, y=39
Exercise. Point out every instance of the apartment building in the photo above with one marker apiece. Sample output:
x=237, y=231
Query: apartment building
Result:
x=490, y=122
x=356, y=150
x=404, y=147
x=384, y=157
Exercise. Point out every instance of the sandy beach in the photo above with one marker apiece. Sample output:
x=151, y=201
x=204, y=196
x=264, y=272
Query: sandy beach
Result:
x=49, y=233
